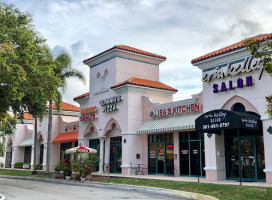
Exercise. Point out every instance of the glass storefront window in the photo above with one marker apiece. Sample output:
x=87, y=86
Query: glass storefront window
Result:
x=190, y=159
x=260, y=157
x=95, y=144
x=63, y=148
x=27, y=156
x=252, y=155
x=161, y=154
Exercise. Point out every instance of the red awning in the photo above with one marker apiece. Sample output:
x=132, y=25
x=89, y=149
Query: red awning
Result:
x=66, y=137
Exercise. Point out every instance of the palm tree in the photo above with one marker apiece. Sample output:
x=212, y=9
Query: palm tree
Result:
x=64, y=70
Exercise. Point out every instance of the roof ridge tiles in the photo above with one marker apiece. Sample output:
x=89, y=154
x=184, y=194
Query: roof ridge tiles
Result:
x=145, y=83
x=129, y=49
x=229, y=48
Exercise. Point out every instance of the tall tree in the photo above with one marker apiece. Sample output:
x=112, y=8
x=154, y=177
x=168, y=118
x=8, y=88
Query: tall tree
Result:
x=27, y=75
x=64, y=70
x=261, y=49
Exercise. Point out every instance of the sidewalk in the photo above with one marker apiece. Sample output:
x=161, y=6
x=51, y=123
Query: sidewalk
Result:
x=186, y=179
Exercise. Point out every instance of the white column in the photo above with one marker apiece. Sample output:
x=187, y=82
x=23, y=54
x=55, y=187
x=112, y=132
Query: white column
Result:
x=101, y=156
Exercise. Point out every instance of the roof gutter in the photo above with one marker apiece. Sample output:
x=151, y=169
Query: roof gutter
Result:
x=143, y=87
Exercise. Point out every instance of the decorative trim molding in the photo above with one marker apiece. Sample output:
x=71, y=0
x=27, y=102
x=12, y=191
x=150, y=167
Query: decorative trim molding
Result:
x=267, y=170
x=82, y=138
x=125, y=166
x=101, y=91
x=129, y=133
x=213, y=169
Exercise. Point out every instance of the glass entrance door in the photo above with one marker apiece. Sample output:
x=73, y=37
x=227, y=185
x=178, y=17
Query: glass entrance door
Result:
x=248, y=155
x=161, y=154
x=191, y=161
x=115, y=154
x=252, y=156
x=160, y=158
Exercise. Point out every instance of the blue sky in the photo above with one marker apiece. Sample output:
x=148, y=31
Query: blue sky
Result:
x=178, y=29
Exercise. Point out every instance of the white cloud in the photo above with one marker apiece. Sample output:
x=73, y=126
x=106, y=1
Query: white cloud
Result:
x=179, y=30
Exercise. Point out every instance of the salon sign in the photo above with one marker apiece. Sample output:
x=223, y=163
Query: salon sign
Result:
x=248, y=65
x=88, y=113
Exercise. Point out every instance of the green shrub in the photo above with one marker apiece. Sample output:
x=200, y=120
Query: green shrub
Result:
x=19, y=165
x=83, y=164
x=59, y=167
x=64, y=166
x=39, y=167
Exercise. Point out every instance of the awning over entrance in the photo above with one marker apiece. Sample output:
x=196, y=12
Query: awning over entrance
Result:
x=181, y=122
x=26, y=142
x=66, y=137
x=216, y=120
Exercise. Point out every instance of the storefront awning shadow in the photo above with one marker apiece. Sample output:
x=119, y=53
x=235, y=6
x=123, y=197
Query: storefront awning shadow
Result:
x=216, y=120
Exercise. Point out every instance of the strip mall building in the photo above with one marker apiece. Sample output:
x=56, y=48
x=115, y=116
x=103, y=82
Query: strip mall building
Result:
x=131, y=118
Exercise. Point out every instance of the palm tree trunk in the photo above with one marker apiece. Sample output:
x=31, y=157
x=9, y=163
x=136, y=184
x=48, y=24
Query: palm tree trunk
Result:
x=49, y=136
x=35, y=145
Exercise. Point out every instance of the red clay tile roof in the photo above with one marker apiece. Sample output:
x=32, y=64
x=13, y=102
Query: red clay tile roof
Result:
x=127, y=48
x=66, y=137
x=232, y=47
x=26, y=115
x=67, y=107
x=145, y=83
x=82, y=96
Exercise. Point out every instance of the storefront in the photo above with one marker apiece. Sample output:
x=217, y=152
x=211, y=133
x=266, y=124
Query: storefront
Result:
x=20, y=144
x=191, y=162
x=173, y=146
x=243, y=141
x=112, y=111
x=161, y=154
x=235, y=124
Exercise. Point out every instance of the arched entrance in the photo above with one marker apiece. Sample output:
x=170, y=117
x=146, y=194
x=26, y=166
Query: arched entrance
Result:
x=91, y=135
x=8, y=153
x=114, y=141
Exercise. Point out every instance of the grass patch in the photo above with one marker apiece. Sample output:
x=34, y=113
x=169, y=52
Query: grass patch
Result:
x=224, y=192
x=14, y=172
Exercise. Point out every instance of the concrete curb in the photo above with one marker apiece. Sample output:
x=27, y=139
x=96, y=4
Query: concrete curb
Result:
x=151, y=190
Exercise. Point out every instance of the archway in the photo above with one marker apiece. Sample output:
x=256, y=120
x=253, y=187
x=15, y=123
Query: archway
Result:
x=249, y=107
x=113, y=145
x=112, y=128
x=91, y=135
x=91, y=132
